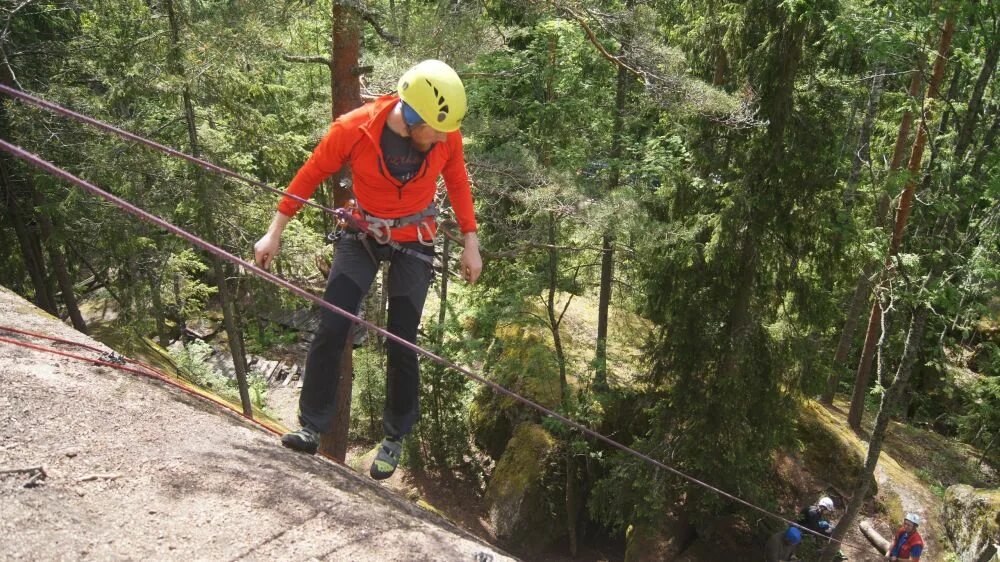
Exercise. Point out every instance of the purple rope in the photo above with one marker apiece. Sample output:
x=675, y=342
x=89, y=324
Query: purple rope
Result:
x=34, y=160
x=153, y=144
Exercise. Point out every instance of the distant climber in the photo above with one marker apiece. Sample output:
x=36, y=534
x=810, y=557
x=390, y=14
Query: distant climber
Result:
x=397, y=146
x=816, y=517
x=782, y=545
x=908, y=545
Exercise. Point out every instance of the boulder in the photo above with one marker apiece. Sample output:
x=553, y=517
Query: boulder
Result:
x=517, y=496
x=490, y=429
x=971, y=519
x=524, y=362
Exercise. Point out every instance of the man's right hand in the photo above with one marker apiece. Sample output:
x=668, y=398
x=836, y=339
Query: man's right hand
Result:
x=265, y=249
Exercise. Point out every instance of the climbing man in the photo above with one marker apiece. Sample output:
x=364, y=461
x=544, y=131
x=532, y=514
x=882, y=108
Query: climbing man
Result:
x=816, y=517
x=782, y=545
x=908, y=545
x=397, y=147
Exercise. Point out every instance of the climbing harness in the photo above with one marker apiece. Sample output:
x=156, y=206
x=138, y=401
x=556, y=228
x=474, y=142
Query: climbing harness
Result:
x=354, y=222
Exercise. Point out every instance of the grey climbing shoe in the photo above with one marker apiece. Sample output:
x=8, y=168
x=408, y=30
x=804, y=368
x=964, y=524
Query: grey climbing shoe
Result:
x=386, y=460
x=305, y=440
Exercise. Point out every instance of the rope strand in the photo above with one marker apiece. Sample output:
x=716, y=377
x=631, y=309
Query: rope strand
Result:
x=55, y=108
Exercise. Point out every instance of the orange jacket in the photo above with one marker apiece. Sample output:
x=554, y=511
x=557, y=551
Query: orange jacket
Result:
x=355, y=137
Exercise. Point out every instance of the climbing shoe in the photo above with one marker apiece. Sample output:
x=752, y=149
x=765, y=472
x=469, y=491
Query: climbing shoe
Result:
x=305, y=440
x=386, y=460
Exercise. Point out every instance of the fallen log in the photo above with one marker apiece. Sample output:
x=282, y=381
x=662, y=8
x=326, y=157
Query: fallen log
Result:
x=874, y=537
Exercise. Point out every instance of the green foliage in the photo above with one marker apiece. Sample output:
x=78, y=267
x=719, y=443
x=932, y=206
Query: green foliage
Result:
x=368, y=394
x=980, y=424
x=443, y=429
x=188, y=294
x=192, y=361
x=268, y=336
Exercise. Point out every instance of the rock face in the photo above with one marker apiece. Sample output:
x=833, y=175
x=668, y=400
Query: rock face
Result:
x=972, y=519
x=519, y=507
x=833, y=454
x=525, y=363
x=114, y=466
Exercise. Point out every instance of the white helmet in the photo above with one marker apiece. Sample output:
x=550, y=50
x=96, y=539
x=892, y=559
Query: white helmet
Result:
x=912, y=518
x=826, y=503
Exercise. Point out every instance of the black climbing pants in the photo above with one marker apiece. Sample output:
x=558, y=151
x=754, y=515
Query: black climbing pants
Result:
x=350, y=277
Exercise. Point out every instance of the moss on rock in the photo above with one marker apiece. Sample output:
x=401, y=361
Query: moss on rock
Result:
x=525, y=363
x=490, y=429
x=831, y=451
x=971, y=519
x=516, y=497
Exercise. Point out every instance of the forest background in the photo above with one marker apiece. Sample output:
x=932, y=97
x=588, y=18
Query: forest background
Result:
x=770, y=198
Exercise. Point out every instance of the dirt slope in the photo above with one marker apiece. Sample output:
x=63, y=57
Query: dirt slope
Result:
x=137, y=469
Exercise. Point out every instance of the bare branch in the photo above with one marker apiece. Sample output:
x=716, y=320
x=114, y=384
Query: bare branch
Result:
x=372, y=19
x=319, y=59
x=466, y=75
x=593, y=39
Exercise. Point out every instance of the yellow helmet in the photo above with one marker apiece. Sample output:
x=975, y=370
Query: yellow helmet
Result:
x=434, y=90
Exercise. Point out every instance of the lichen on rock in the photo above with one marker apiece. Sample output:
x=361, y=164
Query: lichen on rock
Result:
x=971, y=519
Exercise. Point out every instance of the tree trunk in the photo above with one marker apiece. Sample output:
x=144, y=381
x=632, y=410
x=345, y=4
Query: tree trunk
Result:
x=229, y=316
x=603, y=304
x=572, y=503
x=858, y=301
x=345, y=92
x=608, y=240
x=443, y=311
x=159, y=314
x=965, y=133
x=889, y=400
x=437, y=403
x=58, y=258
x=902, y=215
x=554, y=322
x=987, y=145
x=738, y=321
x=862, y=156
x=862, y=288
x=550, y=306
x=33, y=261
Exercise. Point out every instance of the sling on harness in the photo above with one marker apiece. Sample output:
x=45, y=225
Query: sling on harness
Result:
x=356, y=223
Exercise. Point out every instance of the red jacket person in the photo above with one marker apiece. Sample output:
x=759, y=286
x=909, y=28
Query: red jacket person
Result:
x=398, y=146
x=908, y=545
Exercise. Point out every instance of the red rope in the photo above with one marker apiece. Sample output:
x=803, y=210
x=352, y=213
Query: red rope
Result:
x=153, y=374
